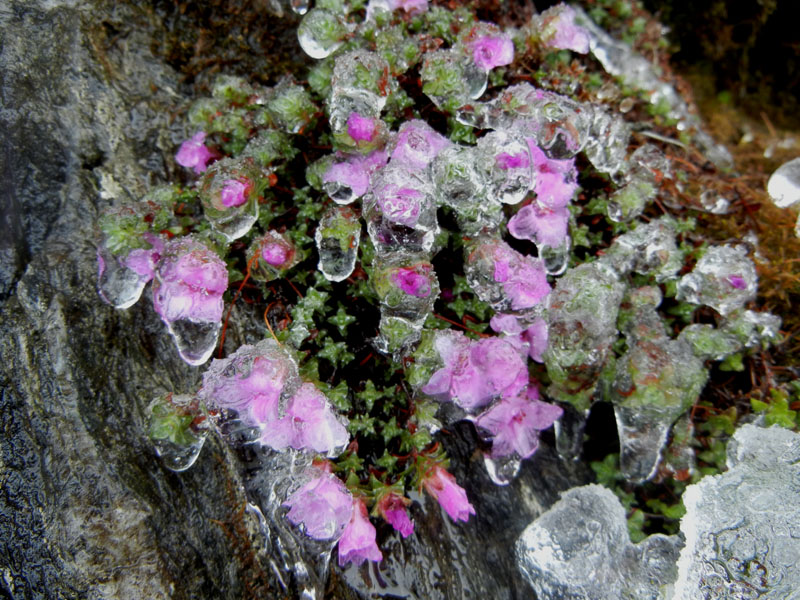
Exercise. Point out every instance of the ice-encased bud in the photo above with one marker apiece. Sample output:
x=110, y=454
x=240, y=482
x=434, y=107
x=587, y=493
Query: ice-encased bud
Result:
x=187, y=295
x=400, y=211
x=580, y=550
x=122, y=279
x=742, y=538
x=649, y=249
x=582, y=324
x=783, y=186
x=360, y=84
x=321, y=32
x=507, y=166
x=178, y=427
x=406, y=285
x=724, y=279
x=338, y=235
x=276, y=255
x=646, y=168
x=229, y=193
x=607, y=141
x=451, y=79
x=508, y=281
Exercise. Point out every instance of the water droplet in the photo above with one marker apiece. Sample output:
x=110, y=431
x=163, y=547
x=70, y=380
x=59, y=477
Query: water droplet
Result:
x=784, y=184
x=195, y=340
x=338, y=235
x=502, y=471
x=178, y=428
x=118, y=285
x=320, y=32
x=299, y=7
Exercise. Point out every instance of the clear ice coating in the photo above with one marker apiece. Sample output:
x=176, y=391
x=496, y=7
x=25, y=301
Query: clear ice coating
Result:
x=559, y=124
x=406, y=285
x=607, y=141
x=656, y=381
x=741, y=527
x=724, y=279
x=117, y=284
x=649, y=249
x=645, y=169
x=321, y=32
x=783, y=186
x=187, y=295
x=620, y=60
x=300, y=7
x=338, y=235
x=582, y=321
x=507, y=166
x=451, y=79
x=580, y=550
x=178, y=427
x=397, y=335
x=229, y=193
x=400, y=211
x=360, y=84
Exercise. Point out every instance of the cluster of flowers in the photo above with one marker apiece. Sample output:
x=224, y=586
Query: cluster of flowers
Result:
x=401, y=177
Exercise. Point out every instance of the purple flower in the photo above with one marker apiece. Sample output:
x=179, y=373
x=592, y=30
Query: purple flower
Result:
x=555, y=180
x=361, y=129
x=143, y=261
x=275, y=254
x=540, y=224
x=234, y=192
x=189, y=282
x=537, y=338
x=523, y=277
x=392, y=507
x=508, y=324
x=410, y=6
x=515, y=424
x=417, y=144
x=194, y=154
x=400, y=205
x=412, y=282
x=489, y=52
x=352, y=174
x=323, y=506
x=507, y=161
x=255, y=396
x=737, y=281
x=559, y=30
x=357, y=543
x=476, y=372
x=453, y=499
x=309, y=424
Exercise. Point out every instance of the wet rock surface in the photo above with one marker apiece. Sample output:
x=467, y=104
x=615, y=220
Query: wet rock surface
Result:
x=87, y=509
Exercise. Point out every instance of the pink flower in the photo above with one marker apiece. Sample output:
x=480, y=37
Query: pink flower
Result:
x=357, y=543
x=323, y=506
x=537, y=337
x=275, y=254
x=417, y=144
x=453, y=499
x=143, y=261
x=523, y=277
x=540, y=224
x=189, y=282
x=555, y=180
x=361, y=129
x=515, y=424
x=234, y=192
x=400, y=205
x=193, y=153
x=352, y=174
x=737, y=281
x=507, y=161
x=410, y=6
x=476, y=372
x=310, y=424
x=412, y=282
x=489, y=52
x=559, y=30
x=392, y=507
x=508, y=324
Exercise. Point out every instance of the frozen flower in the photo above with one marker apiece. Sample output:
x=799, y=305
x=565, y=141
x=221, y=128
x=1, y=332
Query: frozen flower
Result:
x=555, y=180
x=476, y=372
x=537, y=337
x=412, y=282
x=400, y=205
x=506, y=161
x=453, y=499
x=351, y=174
x=270, y=256
x=392, y=507
x=357, y=543
x=508, y=324
x=540, y=224
x=558, y=30
x=417, y=144
x=412, y=7
x=323, y=506
x=234, y=192
x=310, y=424
x=143, y=261
x=515, y=423
x=489, y=52
x=736, y=281
x=361, y=129
x=194, y=154
x=523, y=277
x=189, y=282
